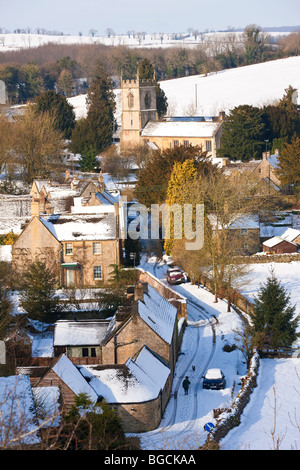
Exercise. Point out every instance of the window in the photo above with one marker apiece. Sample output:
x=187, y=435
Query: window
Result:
x=97, y=272
x=69, y=248
x=147, y=101
x=208, y=145
x=186, y=143
x=88, y=352
x=130, y=100
x=175, y=143
x=96, y=248
x=85, y=352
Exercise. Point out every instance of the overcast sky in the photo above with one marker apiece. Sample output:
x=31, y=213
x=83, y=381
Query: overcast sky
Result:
x=74, y=16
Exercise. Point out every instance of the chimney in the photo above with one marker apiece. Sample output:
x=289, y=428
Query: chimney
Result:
x=224, y=162
x=139, y=292
x=101, y=182
x=35, y=208
x=221, y=115
x=265, y=155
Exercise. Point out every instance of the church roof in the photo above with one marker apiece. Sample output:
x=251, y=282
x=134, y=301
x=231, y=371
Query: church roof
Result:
x=180, y=129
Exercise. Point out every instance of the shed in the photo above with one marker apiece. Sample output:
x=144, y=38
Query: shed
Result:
x=278, y=245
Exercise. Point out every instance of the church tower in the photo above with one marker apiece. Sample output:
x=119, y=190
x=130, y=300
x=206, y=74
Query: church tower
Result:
x=138, y=107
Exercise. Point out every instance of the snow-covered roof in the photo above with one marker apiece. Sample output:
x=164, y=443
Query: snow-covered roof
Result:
x=289, y=235
x=78, y=333
x=158, y=313
x=273, y=160
x=238, y=222
x=180, y=129
x=71, y=376
x=17, y=410
x=6, y=253
x=72, y=227
x=276, y=241
x=133, y=382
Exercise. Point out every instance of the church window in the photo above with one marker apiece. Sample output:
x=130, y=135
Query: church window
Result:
x=147, y=100
x=130, y=100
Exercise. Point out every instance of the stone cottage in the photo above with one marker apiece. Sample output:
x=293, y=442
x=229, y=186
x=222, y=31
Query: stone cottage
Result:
x=79, y=249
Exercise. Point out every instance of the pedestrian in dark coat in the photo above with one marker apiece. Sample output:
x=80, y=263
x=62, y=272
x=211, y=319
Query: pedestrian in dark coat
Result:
x=186, y=383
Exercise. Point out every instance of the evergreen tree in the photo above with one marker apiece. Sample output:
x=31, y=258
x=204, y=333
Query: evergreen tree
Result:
x=243, y=134
x=274, y=321
x=57, y=106
x=65, y=82
x=88, y=160
x=289, y=163
x=38, y=296
x=101, y=107
x=31, y=82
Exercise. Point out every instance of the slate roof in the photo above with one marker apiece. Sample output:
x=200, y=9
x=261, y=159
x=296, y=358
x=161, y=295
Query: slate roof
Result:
x=158, y=313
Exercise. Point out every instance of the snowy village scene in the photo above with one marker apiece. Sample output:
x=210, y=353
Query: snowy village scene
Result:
x=150, y=228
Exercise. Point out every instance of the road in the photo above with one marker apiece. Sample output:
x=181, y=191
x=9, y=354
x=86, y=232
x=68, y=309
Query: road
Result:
x=182, y=425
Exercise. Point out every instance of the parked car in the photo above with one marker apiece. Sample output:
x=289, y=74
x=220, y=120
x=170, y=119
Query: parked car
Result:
x=175, y=276
x=214, y=379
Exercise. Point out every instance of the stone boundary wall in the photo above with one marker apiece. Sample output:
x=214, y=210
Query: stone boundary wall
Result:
x=272, y=258
x=230, y=418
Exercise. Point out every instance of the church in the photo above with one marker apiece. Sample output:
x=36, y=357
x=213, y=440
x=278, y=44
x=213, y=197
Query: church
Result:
x=141, y=126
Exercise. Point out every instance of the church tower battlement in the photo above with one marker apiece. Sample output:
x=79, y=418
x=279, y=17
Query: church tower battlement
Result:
x=138, y=107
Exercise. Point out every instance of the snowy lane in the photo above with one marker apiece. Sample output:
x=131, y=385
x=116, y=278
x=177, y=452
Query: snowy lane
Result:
x=179, y=426
x=209, y=328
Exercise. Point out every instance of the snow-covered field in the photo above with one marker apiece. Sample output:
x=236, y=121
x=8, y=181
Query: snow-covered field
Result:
x=9, y=41
x=255, y=85
x=202, y=95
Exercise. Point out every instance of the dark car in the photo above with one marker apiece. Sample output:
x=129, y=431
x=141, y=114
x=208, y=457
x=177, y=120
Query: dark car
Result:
x=214, y=379
x=175, y=276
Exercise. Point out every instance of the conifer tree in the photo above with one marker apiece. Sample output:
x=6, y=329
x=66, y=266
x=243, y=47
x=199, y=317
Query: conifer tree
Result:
x=94, y=133
x=101, y=107
x=57, y=105
x=38, y=296
x=274, y=320
x=243, y=134
x=289, y=163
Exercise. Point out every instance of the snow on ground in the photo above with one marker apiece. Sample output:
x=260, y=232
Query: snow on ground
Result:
x=9, y=41
x=277, y=393
x=254, y=85
x=207, y=95
x=287, y=273
x=272, y=414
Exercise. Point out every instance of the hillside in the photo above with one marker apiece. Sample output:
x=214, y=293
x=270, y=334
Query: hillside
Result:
x=9, y=41
x=255, y=85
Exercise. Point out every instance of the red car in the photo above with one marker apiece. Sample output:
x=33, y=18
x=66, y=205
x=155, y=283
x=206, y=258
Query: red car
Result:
x=175, y=276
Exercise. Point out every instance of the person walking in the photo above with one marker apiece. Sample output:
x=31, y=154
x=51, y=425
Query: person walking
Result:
x=186, y=383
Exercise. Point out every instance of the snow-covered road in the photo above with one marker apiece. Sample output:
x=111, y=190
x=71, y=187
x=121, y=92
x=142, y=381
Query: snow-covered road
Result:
x=209, y=329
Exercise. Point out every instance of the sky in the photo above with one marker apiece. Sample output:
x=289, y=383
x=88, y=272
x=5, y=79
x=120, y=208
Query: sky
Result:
x=74, y=16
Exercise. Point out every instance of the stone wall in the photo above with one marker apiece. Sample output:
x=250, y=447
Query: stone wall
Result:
x=168, y=293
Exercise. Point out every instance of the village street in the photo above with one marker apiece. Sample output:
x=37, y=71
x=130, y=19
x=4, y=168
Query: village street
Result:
x=209, y=328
